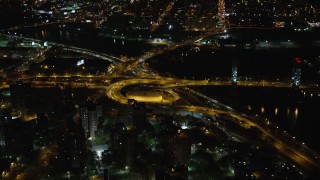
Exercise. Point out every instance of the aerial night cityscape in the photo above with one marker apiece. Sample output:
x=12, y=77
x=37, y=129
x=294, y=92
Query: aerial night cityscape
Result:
x=159, y=89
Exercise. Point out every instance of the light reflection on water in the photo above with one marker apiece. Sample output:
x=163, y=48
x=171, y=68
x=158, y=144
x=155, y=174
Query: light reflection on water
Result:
x=92, y=41
x=296, y=112
x=290, y=112
x=267, y=111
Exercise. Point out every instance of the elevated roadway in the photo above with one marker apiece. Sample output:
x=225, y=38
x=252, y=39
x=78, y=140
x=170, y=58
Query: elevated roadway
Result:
x=307, y=160
x=295, y=152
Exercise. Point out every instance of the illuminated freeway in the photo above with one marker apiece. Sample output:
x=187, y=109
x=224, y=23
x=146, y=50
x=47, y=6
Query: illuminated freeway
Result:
x=297, y=155
x=302, y=156
x=163, y=82
x=98, y=55
x=114, y=90
x=295, y=151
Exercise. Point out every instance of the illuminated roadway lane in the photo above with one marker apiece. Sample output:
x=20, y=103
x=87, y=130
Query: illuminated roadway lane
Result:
x=301, y=156
x=98, y=55
x=38, y=25
x=305, y=161
x=114, y=90
x=156, y=52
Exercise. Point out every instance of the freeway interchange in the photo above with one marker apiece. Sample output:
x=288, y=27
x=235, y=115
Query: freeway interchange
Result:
x=302, y=156
x=295, y=151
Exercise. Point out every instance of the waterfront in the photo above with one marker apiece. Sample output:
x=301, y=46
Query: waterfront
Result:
x=159, y=89
x=293, y=115
x=118, y=45
x=289, y=109
x=293, y=110
x=60, y=70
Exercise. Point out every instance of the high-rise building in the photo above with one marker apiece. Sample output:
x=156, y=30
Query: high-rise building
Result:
x=183, y=149
x=123, y=144
x=77, y=148
x=178, y=148
x=20, y=97
x=126, y=116
x=234, y=75
x=73, y=147
x=84, y=118
x=139, y=114
x=89, y=115
x=133, y=115
x=296, y=72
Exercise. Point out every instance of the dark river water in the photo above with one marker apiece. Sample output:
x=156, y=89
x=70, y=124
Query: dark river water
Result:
x=293, y=110
x=117, y=45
